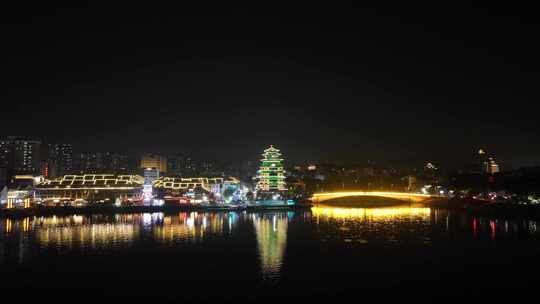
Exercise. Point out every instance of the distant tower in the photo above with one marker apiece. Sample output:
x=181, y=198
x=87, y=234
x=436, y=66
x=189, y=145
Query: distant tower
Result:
x=271, y=174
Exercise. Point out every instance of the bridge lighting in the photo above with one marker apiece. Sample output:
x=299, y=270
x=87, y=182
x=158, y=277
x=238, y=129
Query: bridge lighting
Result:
x=405, y=196
x=371, y=213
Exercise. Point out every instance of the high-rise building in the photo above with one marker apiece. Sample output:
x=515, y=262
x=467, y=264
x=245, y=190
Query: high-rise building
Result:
x=89, y=163
x=20, y=156
x=5, y=155
x=60, y=159
x=271, y=174
x=5, y=152
x=103, y=162
x=3, y=177
x=116, y=163
x=27, y=156
x=46, y=168
x=154, y=161
x=182, y=165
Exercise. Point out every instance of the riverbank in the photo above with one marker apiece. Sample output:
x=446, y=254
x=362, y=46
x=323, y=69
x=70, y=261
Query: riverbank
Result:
x=62, y=211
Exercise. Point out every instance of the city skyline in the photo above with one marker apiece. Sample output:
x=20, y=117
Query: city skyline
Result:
x=60, y=158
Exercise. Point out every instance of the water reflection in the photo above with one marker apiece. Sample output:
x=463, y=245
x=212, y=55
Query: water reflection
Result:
x=21, y=238
x=115, y=230
x=271, y=231
x=371, y=214
x=394, y=225
x=387, y=226
x=193, y=227
x=32, y=239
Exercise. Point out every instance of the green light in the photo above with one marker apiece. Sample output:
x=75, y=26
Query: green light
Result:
x=271, y=173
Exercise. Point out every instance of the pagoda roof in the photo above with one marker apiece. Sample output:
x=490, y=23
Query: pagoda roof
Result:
x=271, y=148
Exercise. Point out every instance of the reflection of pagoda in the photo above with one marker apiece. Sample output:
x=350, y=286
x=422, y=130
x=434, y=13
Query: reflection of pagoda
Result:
x=271, y=174
x=271, y=233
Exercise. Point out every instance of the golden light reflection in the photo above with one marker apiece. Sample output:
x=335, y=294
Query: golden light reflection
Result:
x=26, y=224
x=94, y=235
x=271, y=234
x=120, y=229
x=192, y=226
x=9, y=226
x=405, y=196
x=387, y=225
x=371, y=213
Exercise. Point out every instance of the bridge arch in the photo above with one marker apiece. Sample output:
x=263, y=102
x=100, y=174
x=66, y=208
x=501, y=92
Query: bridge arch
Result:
x=403, y=196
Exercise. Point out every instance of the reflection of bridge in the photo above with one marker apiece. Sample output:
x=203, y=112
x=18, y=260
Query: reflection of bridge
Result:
x=403, y=196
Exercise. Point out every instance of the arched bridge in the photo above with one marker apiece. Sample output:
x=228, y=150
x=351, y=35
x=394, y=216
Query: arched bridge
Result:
x=404, y=196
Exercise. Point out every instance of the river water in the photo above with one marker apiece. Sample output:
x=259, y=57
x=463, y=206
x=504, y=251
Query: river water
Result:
x=325, y=252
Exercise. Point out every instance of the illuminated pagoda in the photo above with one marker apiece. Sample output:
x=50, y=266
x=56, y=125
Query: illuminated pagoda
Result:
x=271, y=174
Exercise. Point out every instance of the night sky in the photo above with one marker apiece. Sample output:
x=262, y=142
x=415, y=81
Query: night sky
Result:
x=392, y=84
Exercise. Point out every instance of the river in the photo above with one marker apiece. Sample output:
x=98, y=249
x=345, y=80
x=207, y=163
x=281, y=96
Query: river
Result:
x=325, y=252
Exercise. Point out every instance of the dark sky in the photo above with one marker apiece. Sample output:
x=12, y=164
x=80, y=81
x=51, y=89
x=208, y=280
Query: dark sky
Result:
x=394, y=84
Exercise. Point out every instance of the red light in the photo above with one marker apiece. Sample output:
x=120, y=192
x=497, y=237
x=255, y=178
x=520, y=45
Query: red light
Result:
x=493, y=228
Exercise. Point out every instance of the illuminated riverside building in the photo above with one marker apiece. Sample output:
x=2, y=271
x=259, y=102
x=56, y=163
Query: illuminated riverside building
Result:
x=16, y=198
x=89, y=188
x=271, y=174
x=20, y=193
x=181, y=183
x=189, y=190
x=232, y=191
x=81, y=190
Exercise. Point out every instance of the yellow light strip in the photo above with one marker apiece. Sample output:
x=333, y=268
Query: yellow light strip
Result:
x=371, y=193
x=92, y=188
x=369, y=212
